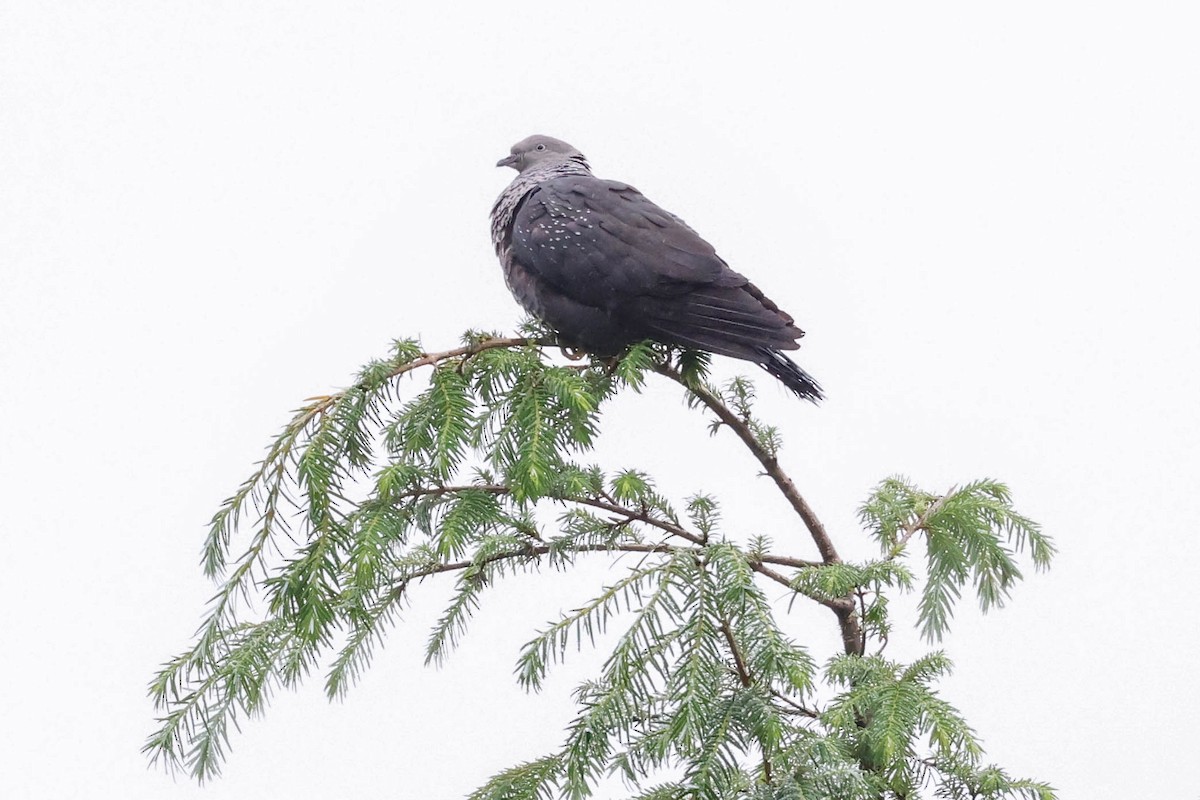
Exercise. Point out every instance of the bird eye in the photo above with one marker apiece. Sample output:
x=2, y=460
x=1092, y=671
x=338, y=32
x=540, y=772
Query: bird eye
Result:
x=541, y=147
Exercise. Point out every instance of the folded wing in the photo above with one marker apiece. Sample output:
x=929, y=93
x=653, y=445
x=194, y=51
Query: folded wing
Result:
x=604, y=245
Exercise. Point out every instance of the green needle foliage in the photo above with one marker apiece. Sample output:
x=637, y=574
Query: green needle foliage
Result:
x=368, y=493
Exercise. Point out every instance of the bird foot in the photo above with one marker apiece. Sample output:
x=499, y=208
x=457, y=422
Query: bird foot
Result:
x=573, y=354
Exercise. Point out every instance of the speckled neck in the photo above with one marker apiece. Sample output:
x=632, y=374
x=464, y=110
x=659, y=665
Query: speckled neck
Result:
x=508, y=201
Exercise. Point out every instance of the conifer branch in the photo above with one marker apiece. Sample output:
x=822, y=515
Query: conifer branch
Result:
x=468, y=350
x=769, y=462
x=843, y=607
x=633, y=515
x=758, y=563
x=321, y=404
x=784, y=561
x=917, y=524
x=532, y=551
x=668, y=697
x=739, y=661
x=797, y=708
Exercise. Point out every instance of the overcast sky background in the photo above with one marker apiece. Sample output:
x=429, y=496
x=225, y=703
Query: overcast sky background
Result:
x=986, y=219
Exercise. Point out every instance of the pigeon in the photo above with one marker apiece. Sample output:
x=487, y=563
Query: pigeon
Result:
x=605, y=267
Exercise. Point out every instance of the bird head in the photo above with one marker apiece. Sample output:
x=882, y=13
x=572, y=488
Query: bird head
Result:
x=538, y=150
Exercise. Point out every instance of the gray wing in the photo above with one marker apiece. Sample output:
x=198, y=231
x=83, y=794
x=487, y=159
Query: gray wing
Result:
x=603, y=244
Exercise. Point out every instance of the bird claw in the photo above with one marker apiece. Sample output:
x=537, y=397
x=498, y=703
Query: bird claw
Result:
x=573, y=354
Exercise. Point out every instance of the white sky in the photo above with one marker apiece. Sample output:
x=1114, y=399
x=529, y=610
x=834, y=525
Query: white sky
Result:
x=986, y=219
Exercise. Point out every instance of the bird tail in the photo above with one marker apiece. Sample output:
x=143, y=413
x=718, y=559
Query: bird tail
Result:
x=790, y=374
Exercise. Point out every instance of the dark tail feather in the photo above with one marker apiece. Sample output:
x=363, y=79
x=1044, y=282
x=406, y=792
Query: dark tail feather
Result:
x=791, y=376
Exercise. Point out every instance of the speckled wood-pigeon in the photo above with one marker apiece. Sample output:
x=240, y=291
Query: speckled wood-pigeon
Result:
x=605, y=267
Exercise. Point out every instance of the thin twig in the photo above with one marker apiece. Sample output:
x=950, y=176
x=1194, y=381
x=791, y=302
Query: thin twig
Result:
x=532, y=551
x=834, y=605
x=322, y=403
x=739, y=661
x=272, y=470
x=799, y=709
x=604, y=505
x=919, y=523
x=744, y=677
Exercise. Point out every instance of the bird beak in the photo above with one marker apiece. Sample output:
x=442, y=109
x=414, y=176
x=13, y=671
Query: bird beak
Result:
x=509, y=161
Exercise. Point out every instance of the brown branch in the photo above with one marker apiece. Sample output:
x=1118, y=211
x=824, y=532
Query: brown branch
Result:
x=533, y=551
x=849, y=625
x=758, y=564
x=323, y=402
x=767, y=572
x=769, y=462
x=799, y=709
x=638, y=516
x=744, y=677
x=862, y=615
x=784, y=561
x=429, y=359
x=762, y=569
x=630, y=514
x=469, y=350
x=843, y=607
x=739, y=661
x=743, y=672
